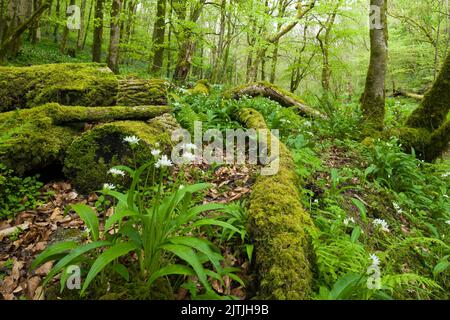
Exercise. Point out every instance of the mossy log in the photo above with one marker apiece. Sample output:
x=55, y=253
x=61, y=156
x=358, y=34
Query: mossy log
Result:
x=75, y=84
x=33, y=139
x=277, y=94
x=137, y=92
x=92, y=154
x=84, y=84
x=406, y=94
x=278, y=225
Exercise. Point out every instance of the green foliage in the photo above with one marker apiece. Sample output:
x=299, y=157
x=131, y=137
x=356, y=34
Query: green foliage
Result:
x=17, y=194
x=158, y=231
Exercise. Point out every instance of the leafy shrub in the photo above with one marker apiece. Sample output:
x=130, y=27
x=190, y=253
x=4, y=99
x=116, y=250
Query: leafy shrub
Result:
x=17, y=194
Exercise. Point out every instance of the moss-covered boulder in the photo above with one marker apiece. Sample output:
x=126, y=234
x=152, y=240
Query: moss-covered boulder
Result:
x=140, y=92
x=73, y=84
x=33, y=139
x=91, y=155
x=278, y=225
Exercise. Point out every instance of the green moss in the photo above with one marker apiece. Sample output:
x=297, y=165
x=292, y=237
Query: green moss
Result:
x=435, y=106
x=29, y=140
x=201, y=87
x=137, y=92
x=92, y=154
x=32, y=139
x=278, y=225
x=84, y=84
x=439, y=142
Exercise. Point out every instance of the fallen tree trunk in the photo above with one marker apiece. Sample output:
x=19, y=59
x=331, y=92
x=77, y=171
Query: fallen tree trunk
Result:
x=137, y=92
x=85, y=84
x=278, y=224
x=277, y=94
x=75, y=84
x=33, y=139
x=406, y=94
x=93, y=154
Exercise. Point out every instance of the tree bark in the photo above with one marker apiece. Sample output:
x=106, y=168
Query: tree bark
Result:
x=98, y=32
x=12, y=42
x=83, y=28
x=435, y=106
x=374, y=96
x=114, y=39
x=159, y=32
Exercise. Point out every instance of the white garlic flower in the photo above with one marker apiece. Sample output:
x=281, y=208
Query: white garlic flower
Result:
x=132, y=140
x=116, y=172
x=163, y=162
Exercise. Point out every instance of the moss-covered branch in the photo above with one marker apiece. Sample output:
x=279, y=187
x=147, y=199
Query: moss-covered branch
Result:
x=278, y=225
x=275, y=93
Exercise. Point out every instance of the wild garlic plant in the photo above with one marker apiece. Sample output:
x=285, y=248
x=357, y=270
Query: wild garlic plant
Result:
x=158, y=231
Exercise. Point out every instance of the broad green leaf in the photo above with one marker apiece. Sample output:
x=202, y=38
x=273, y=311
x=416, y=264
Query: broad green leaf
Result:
x=88, y=215
x=361, y=207
x=188, y=255
x=52, y=251
x=171, y=270
x=122, y=271
x=106, y=258
x=356, y=233
x=118, y=216
x=201, y=245
x=213, y=222
x=71, y=256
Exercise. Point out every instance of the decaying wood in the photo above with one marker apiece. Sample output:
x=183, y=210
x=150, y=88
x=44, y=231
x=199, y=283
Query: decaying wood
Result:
x=406, y=94
x=279, y=95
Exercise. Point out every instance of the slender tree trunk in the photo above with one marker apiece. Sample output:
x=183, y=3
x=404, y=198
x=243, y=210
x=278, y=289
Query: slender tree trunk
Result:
x=374, y=97
x=58, y=15
x=83, y=28
x=86, y=32
x=114, y=38
x=65, y=36
x=35, y=30
x=98, y=32
x=159, y=32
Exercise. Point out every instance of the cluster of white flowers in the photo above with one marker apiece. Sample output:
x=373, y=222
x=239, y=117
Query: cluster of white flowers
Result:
x=347, y=221
x=109, y=186
x=374, y=279
x=446, y=175
x=375, y=260
x=381, y=225
x=188, y=157
x=397, y=208
x=132, y=140
x=156, y=152
x=116, y=172
x=163, y=162
x=447, y=222
x=307, y=124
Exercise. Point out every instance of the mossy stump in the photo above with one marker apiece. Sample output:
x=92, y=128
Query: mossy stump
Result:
x=278, y=225
x=94, y=153
x=73, y=84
